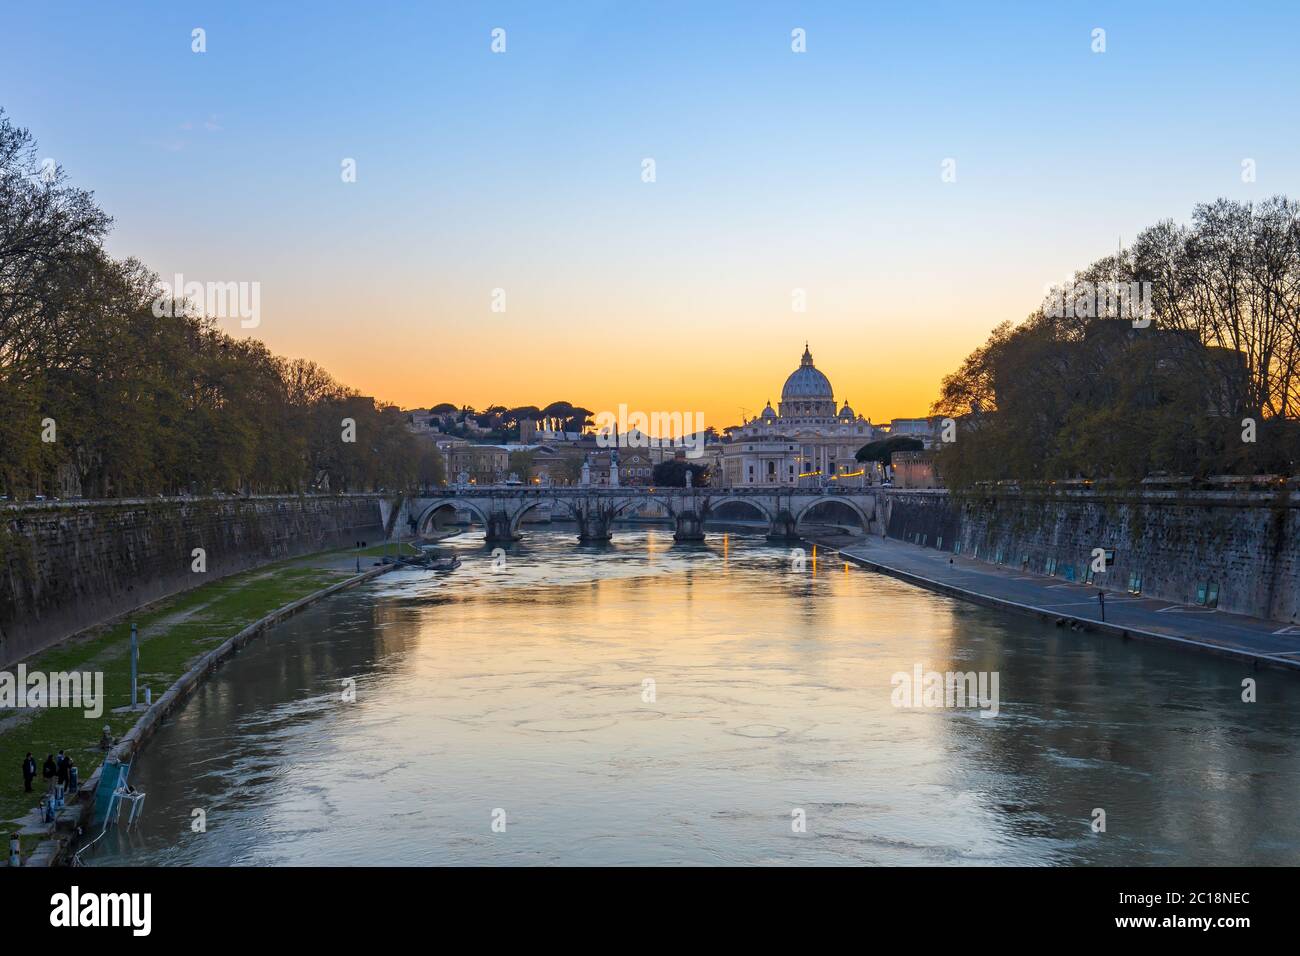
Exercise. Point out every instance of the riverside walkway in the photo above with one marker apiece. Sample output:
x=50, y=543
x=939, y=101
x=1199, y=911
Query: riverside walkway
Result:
x=1265, y=642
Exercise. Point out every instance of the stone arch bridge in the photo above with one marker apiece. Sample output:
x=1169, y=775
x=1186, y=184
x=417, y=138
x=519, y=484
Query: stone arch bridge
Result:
x=501, y=509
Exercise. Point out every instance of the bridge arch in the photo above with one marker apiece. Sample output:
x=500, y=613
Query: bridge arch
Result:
x=749, y=500
x=456, y=504
x=640, y=499
x=838, y=499
x=517, y=517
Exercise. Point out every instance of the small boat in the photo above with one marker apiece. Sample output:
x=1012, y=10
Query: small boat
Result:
x=424, y=561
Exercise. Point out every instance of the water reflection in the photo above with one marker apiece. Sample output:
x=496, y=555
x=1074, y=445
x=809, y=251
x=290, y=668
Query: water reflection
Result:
x=524, y=689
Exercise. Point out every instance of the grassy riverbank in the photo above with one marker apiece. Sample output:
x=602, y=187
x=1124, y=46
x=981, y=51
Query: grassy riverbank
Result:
x=173, y=634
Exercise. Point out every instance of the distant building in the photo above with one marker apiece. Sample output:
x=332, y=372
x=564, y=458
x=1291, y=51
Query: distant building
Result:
x=552, y=466
x=924, y=429
x=480, y=464
x=636, y=466
x=804, y=440
x=639, y=452
x=760, y=462
x=711, y=459
x=596, y=467
x=547, y=464
x=914, y=469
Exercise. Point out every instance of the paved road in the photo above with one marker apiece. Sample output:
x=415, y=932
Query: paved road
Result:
x=1209, y=629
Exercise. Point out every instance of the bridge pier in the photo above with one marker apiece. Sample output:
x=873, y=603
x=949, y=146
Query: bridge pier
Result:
x=783, y=527
x=593, y=527
x=690, y=527
x=594, y=521
x=498, y=528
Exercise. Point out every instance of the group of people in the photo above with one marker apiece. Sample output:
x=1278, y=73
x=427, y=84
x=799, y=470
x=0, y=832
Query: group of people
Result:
x=58, y=769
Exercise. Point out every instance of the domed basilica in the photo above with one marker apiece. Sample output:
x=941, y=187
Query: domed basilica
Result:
x=804, y=440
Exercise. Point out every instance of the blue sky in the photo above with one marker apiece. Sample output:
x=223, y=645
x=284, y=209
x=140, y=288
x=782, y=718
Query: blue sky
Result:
x=775, y=170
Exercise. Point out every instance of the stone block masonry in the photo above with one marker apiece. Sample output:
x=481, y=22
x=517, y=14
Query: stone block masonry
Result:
x=1182, y=546
x=72, y=565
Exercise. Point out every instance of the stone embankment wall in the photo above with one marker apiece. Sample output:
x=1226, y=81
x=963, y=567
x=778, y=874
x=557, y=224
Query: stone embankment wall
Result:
x=1247, y=543
x=71, y=565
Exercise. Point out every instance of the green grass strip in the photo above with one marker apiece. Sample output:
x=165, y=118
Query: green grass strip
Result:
x=173, y=634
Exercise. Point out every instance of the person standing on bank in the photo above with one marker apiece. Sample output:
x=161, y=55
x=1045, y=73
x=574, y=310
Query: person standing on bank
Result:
x=29, y=772
x=48, y=772
x=61, y=770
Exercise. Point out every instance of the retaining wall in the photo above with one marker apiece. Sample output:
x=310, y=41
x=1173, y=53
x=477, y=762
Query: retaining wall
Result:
x=1171, y=544
x=68, y=566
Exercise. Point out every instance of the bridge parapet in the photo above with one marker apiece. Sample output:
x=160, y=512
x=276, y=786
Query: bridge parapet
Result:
x=585, y=491
x=501, y=508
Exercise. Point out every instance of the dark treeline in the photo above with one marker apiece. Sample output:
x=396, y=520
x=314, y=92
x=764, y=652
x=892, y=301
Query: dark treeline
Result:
x=503, y=423
x=672, y=474
x=1073, y=393
x=139, y=404
x=883, y=449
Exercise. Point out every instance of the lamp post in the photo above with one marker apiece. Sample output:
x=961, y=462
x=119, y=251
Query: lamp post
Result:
x=135, y=662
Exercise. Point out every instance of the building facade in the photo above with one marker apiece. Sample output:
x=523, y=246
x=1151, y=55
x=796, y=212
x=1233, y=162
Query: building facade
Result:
x=914, y=469
x=925, y=430
x=467, y=462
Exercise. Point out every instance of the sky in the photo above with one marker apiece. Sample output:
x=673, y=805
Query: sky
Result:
x=524, y=171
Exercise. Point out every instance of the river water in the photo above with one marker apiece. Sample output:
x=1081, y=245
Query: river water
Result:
x=646, y=703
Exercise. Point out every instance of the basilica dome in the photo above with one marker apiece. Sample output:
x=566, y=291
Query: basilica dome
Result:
x=806, y=383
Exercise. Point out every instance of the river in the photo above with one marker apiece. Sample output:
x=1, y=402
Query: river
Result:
x=646, y=703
